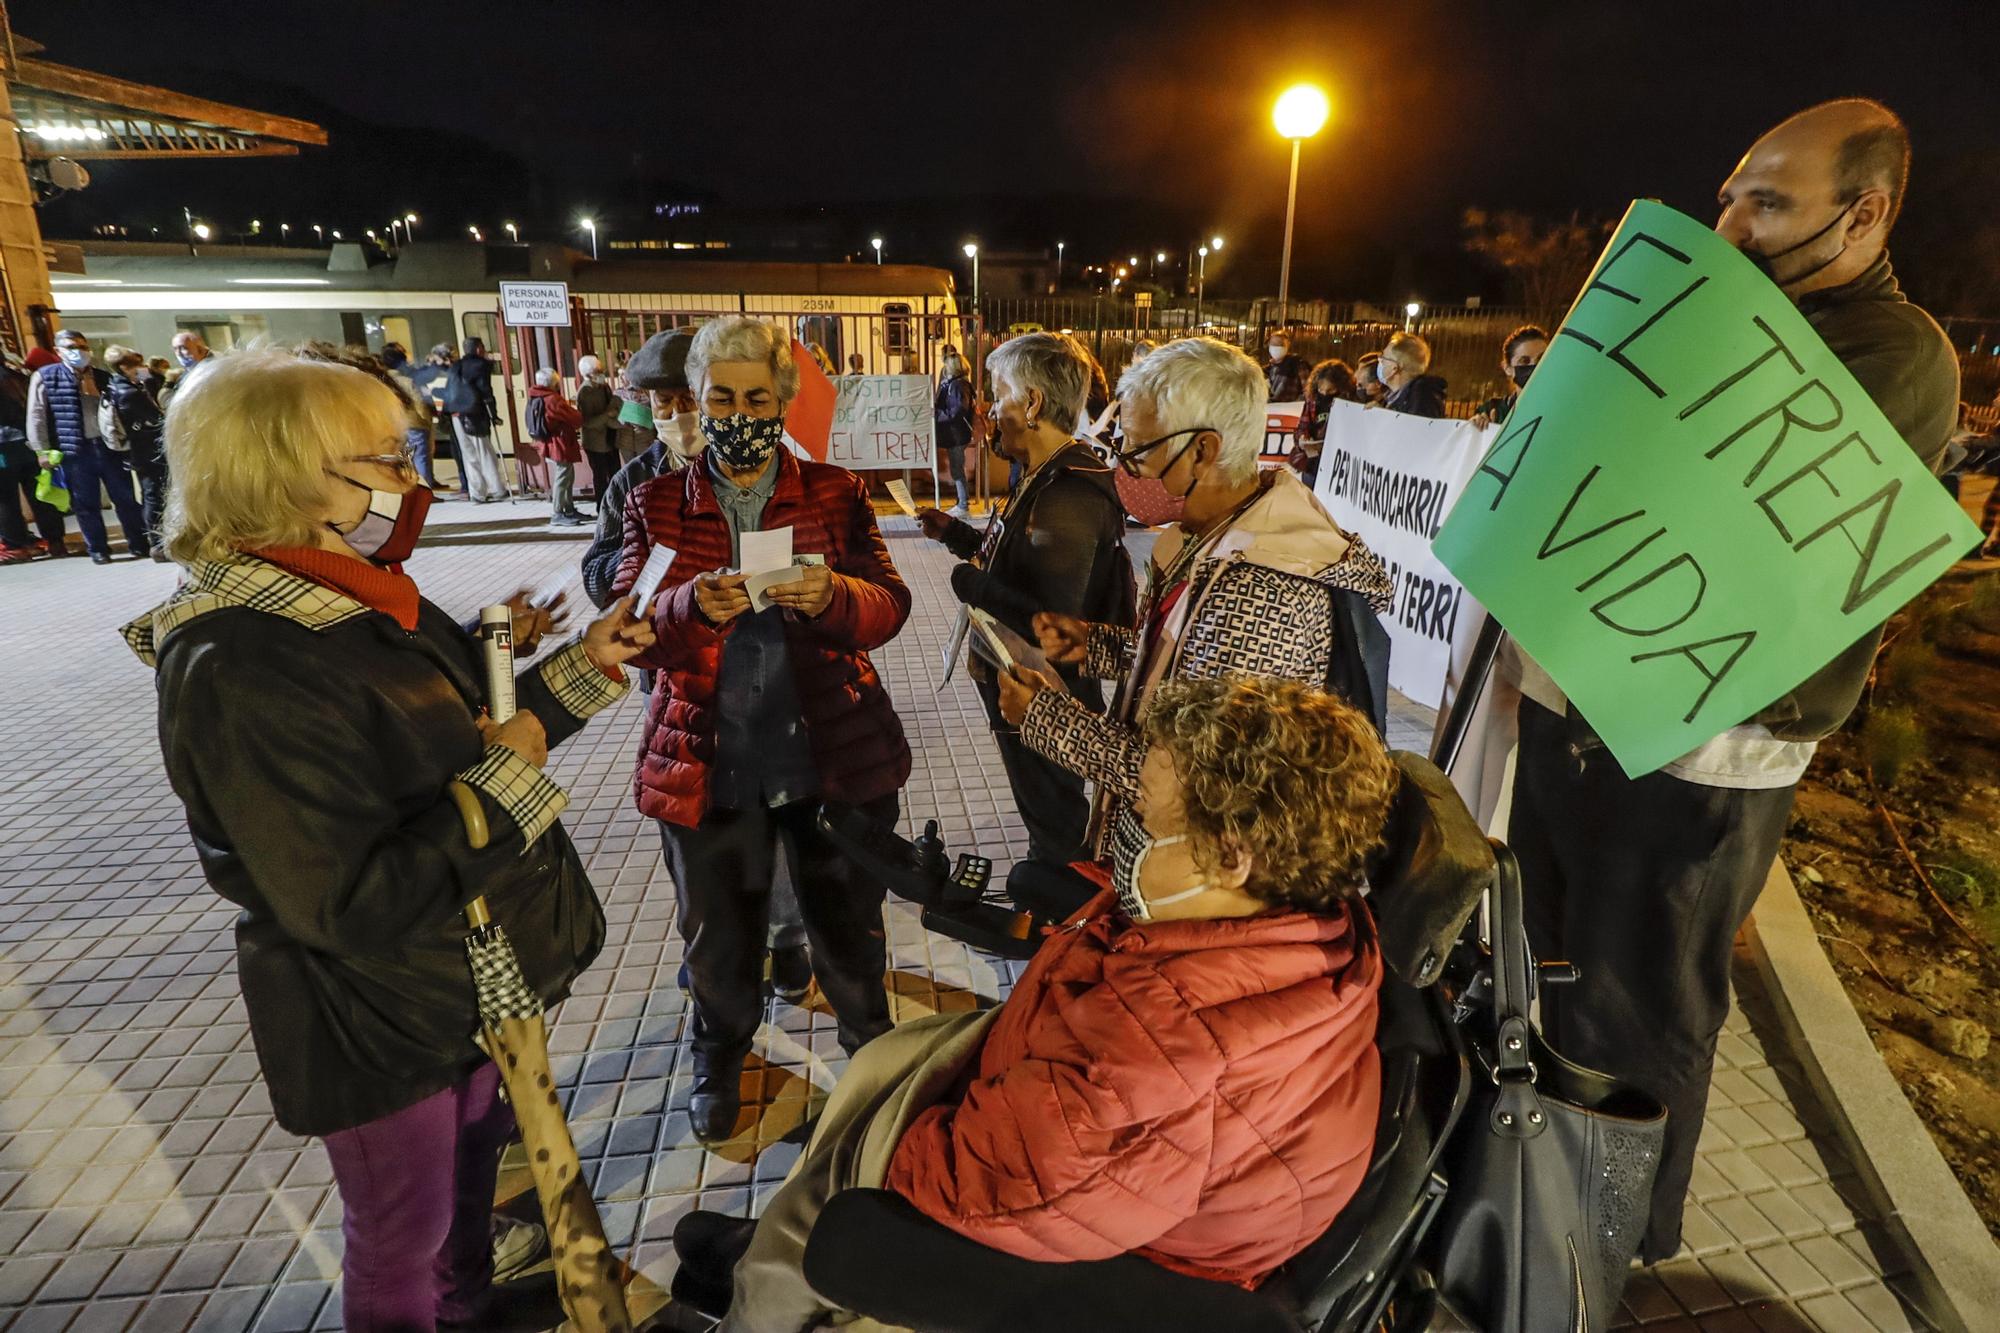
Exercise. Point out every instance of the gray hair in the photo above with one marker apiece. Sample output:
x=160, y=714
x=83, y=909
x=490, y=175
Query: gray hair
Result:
x=1202, y=384
x=1050, y=364
x=741, y=338
x=545, y=377
x=1408, y=351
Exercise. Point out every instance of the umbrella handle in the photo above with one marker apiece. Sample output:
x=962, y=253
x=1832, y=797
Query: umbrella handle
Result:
x=477, y=832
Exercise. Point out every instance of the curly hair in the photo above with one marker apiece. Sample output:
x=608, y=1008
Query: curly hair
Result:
x=1294, y=777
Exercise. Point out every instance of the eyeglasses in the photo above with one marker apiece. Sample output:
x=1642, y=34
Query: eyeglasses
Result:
x=1125, y=458
x=400, y=459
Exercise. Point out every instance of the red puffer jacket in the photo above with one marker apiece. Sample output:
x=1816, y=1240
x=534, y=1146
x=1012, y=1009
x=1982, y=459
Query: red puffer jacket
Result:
x=1202, y=1092
x=857, y=739
x=562, y=443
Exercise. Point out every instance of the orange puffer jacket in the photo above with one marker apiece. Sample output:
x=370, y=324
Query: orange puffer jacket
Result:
x=1202, y=1092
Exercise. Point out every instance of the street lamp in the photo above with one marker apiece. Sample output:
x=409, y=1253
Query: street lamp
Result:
x=336, y=233
x=1159, y=258
x=201, y=231
x=972, y=253
x=590, y=225
x=876, y=241
x=475, y=233
x=513, y=232
x=1299, y=114
x=1059, y=257
x=393, y=224
x=1200, y=284
x=409, y=226
x=256, y=227
x=1410, y=316
x=319, y=232
x=284, y=231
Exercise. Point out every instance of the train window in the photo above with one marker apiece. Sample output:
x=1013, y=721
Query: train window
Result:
x=898, y=330
x=823, y=332
x=485, y=326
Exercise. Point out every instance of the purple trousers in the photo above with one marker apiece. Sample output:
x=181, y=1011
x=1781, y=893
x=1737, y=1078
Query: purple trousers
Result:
x=416, y=1191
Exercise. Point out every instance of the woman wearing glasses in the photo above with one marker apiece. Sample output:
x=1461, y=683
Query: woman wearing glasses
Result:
x=314, y=711
x=1249, y=575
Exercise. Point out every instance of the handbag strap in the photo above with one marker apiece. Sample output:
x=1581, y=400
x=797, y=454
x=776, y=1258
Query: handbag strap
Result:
x=1513, y=971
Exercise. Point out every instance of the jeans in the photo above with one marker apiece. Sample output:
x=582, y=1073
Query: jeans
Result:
x=416, y=1194
x=722, y=870
x=418, y=439
x=152, y=474
x=478, y=464
x=19, y=470
x=954, y=457
x=1642, y=884
x=89, y=472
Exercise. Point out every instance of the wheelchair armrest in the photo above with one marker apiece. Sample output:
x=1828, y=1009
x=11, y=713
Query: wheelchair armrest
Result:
x=871, y=1252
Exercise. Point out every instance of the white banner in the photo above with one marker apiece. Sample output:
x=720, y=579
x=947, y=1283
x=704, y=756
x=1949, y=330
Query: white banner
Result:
x=1390, y=478
x=882, y=421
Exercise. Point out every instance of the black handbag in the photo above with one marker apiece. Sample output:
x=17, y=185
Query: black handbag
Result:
x=1551, y=1172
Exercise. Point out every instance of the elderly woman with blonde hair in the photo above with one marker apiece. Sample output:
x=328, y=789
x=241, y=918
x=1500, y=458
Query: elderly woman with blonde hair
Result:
x=314, y=710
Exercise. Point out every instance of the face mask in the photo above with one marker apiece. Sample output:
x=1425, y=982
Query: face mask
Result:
x=1147, y=498
x=1130, y=844
x=76, y=358
x=680, y=432
x=743, y=441
x=1520, y=375
x=1767, y=264
x=1277, y=351
x=388, y=532
x=186, y=358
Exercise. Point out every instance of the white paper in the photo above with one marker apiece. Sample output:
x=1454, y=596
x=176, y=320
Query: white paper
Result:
x=552, y=587
x=658, y=561
x=959, y=629
x=1004, y=648
x=759, y=585
x=900, y=493
x=761, y=552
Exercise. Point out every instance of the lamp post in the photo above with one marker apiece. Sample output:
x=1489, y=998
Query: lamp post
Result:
x=1410, y=316
x=1159, y=258
x=1300, y=112
x=1201, y=279
x=513, y=232
x=590, y=225
x=1059, y=259
x=284, y=232
x=876, y=241
x=409, y=226
x=972, y=253
x=393, y=224
x=475, y=233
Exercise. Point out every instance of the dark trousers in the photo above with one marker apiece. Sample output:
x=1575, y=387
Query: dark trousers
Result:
x=416, y=1198
x=89, y=472
x=152, y=473
x=722, y=872
x=1049, y=796
x=18, y=472
x=1643, y=884
x=603, y=467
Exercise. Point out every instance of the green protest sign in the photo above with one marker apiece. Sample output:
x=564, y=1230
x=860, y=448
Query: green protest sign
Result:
x=1693, y=506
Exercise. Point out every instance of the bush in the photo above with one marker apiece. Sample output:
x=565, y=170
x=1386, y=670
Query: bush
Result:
x=1892, y=740
x=1964, y=878
x=1911, y=663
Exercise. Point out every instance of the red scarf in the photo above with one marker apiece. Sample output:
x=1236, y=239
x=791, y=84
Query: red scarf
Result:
x=390, y=591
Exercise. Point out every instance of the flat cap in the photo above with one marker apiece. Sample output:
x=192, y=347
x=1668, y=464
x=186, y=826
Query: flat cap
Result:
x=662, y=363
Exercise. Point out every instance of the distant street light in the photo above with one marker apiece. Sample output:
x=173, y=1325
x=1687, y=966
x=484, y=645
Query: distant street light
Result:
x=475, y=233
x=1215, y=242
x=590, y=225
x=1159, y=258
x=319, y=233
x=1059, y=258
x=1201, y=283
x=256, y=227
x=1410, y=315
x=972, y=253
x=513, y=232
x=876, y=241
x=284, y=231
x=201, y=231
x=1300, y=113
x=393, y=224
x=409, y=226
x=336, y=234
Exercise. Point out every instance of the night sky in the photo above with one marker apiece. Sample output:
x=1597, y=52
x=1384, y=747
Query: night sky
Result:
x=1115, y=127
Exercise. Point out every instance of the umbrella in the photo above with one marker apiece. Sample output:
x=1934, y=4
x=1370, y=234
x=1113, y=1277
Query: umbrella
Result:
x=588, y=1275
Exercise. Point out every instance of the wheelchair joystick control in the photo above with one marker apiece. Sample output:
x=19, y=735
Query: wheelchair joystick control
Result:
x=929, y=853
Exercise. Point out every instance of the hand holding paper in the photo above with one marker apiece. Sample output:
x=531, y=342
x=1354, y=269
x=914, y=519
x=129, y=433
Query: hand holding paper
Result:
x=658, y=561
x=900, y=493
x=1007, y=650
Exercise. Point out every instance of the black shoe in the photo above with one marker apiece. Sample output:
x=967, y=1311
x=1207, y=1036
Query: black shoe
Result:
x=716, y=1100
x=100, y=558
x=791, y=973
x=711, y=1243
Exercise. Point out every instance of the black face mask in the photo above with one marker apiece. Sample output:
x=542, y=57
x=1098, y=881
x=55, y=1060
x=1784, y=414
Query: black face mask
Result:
x=1520, y=375
x=1767, y=264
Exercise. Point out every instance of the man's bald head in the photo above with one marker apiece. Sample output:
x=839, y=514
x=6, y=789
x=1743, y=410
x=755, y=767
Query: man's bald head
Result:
x=1815, y=197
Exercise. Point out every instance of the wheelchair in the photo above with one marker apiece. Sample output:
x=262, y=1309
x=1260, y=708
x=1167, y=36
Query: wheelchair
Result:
x=872, y=1253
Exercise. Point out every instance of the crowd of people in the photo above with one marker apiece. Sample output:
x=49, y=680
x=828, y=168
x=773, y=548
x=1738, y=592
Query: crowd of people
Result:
x=1200, y=769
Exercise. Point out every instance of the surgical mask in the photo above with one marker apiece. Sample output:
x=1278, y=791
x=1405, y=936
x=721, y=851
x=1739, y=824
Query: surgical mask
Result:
x=1130, y=845
x=76, y=358
x=742, y=441
x=680, y=432
x=1766, y=264
x=1520, y=374
x=186, y=358
x=1277, y=351
x=1147, y=498
x=388, y=532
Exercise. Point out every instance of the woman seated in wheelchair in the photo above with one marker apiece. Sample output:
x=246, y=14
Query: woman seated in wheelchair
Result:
x=1186, y=1070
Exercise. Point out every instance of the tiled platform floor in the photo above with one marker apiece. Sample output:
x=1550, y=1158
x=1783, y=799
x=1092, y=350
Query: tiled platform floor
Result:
x=143, y=1184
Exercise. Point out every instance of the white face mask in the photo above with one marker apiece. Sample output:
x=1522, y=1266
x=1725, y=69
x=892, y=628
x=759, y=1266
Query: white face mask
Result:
x=1130, y=845
x=1277, y=351
x=680, y=432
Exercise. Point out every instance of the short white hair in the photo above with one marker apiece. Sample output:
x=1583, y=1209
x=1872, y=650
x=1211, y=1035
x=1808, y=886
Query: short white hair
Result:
x=586, y=366
x=1050, y=364
x=249, y=443
x=1409, y=351
x=545, y=377
x=1202, y=384
x=741, y=338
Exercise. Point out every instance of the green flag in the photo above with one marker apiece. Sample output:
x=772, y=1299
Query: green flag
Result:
x=1693, y=506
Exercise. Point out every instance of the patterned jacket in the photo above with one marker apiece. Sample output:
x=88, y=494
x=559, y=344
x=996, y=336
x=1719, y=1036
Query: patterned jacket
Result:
x=1258, y=602
x=857, y=739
